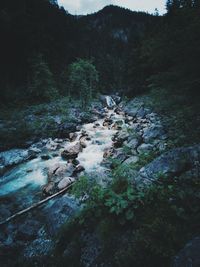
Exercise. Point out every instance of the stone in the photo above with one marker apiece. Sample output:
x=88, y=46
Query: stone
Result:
x=116, y=98
x=108, y=152
x=45, y=157
x=49, y=189
x=65, y=182
x=153, y=132
x=59, y=171
x=34, y=151
x=73, y=136
x=72, y=152
x=51, y=145
x=189, y=255
x=145, y=148
x=107, y=101
x=172, y=163
x=131, y=160
x=134, y=143
x=119, y=155
x=78, y=169
x=83, y=144
x=142, y=112
x=58, y=212
x=13, y=157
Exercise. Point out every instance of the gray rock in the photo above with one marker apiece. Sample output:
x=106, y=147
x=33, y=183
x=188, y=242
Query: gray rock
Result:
x=58, y=212
x=116, y=98
x=189, y=255
x=134, y=143
x=119, y=155
x=45, y=157
x=59, y=171
x=72, y=152
x=153, y=132
x=13, y=157
x=172, y=163
x=65, y=182
x=131, y=160
x=145, y=148
x=142, y=112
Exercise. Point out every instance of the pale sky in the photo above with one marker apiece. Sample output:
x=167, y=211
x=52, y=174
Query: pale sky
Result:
x=82, y=7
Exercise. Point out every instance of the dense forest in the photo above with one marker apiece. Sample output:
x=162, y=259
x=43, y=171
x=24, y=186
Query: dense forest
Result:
x=131, y=50
x=107, y=104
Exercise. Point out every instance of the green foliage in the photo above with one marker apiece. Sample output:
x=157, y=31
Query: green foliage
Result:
x=83, y=79
x=42, y=86
x=148, y=224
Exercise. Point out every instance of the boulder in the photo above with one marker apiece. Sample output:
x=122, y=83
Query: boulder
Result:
x=65, y=182
x=172, y=163
x=154, y=132
x=189, y=255
x=83, y=144
x=78, y=169
x=49, y=189
x=131, y=160
x=107, y=101
x=59, y=171
x=134, y=143
x=14, y=157
x=119, y=155
x=145, y=148
x=72, y=152
x=108, y=152
x=45, y=157
x=116, y=98
x=58, y=212
x=73, y=136
x=142, y=112
x=119, y=138
x=52, y=145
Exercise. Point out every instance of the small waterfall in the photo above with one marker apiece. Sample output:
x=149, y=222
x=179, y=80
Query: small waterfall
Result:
x=110, y=102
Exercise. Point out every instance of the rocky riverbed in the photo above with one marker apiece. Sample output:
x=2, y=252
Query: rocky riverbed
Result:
x=121, y=132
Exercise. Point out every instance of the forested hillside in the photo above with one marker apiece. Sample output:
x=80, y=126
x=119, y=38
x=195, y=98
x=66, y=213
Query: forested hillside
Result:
x=131, y=50
x=32, y=28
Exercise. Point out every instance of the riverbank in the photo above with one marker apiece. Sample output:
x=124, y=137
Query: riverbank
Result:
x=21, y=127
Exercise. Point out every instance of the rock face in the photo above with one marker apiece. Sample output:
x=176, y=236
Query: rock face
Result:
x=189, y=255
x=172, y=163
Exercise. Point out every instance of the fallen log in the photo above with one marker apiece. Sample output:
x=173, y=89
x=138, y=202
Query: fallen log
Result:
x=34, y=206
